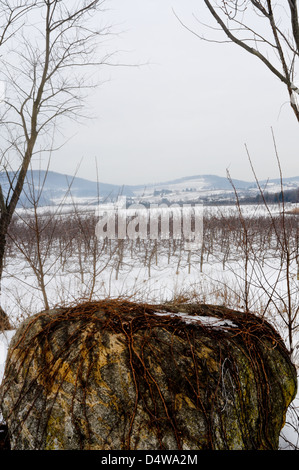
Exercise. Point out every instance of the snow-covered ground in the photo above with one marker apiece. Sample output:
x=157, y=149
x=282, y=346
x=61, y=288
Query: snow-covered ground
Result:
x=155, y=273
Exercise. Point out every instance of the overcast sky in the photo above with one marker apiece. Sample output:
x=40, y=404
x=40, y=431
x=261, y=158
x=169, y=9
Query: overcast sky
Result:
x=189, y=111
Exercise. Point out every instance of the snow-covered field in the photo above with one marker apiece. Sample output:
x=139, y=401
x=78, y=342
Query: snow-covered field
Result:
x=71, y=265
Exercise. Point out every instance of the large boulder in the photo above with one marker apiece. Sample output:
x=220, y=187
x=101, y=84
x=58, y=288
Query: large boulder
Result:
x=116, y=375
x=4, y=321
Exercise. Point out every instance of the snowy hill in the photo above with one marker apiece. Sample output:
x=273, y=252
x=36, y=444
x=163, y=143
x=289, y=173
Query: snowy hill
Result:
x=199, y=182
x=208, y=188
x=57, y=187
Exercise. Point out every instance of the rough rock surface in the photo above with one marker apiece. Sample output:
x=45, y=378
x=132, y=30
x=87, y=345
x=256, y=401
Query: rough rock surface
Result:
x=115, y=375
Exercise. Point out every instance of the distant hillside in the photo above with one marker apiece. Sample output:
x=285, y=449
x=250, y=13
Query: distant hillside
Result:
x=203, y=188
x=57, y=186
x=198, y=182
x=288, y=195
x=209, y=189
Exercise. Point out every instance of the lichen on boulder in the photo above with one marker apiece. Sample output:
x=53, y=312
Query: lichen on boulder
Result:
x=116, y=375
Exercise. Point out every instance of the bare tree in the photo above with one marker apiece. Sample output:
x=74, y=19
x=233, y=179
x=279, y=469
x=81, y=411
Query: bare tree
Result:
x=266, y=29
x=47, y=49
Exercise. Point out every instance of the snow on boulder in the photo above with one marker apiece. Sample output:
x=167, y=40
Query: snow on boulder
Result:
x=115, y=375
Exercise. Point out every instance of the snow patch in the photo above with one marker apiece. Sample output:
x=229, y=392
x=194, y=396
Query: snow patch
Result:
x=208, y=321
x=5, y=338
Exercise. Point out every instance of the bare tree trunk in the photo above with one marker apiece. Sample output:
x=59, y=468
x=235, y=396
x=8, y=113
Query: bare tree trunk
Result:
x=40, y=91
